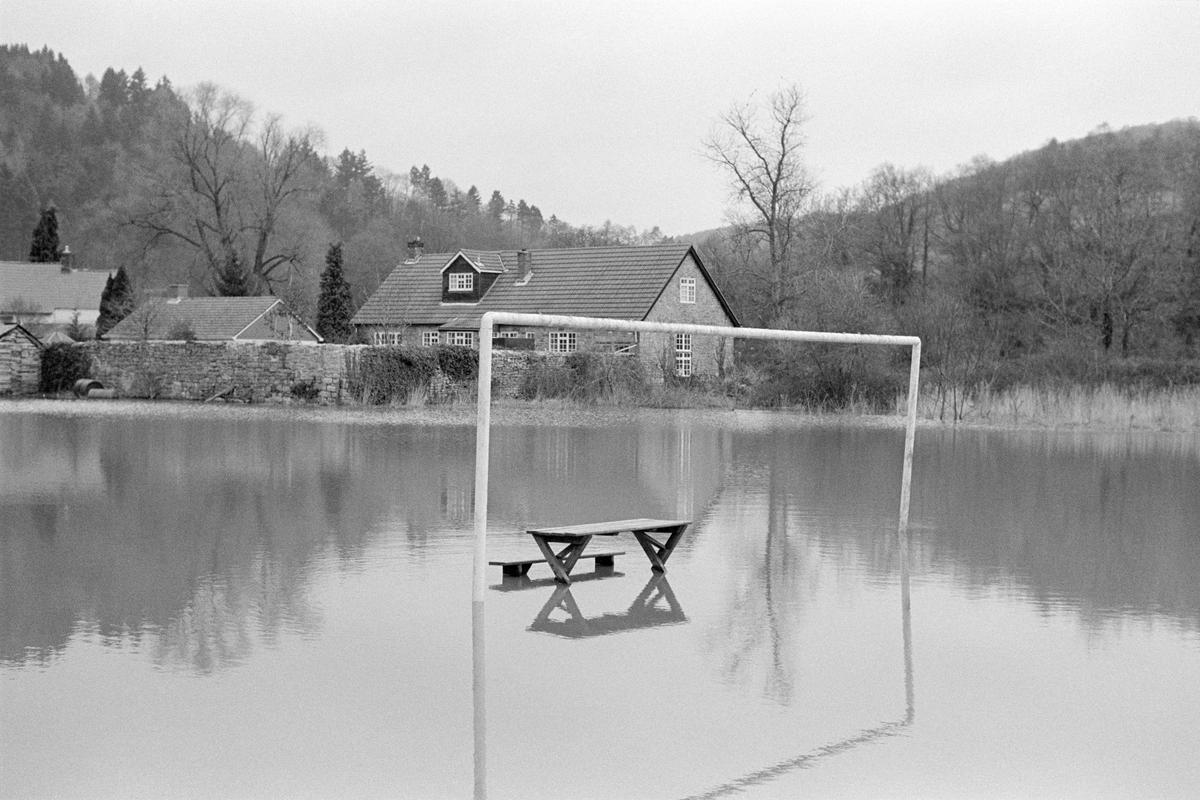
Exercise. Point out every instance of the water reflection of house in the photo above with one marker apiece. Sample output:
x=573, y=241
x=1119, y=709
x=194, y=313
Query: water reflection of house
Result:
x=567, y=474
x=42, y=468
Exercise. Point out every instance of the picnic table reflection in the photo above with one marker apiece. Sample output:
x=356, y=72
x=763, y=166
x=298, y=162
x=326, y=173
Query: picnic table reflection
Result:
x=655, y=605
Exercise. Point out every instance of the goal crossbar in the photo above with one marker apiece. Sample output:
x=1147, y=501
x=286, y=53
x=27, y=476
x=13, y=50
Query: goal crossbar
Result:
x=483, y=424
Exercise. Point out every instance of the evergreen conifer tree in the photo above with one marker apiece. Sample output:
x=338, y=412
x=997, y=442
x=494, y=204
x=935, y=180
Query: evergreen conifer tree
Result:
x=334, y=305
x=104, y=321
x=231, y=280
x=116, y=301
x=44, y=248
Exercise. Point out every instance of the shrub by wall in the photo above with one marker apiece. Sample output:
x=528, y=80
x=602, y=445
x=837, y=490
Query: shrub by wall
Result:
x=378, y=375
x=458, y=363
x=62, y=365
x=587, y=377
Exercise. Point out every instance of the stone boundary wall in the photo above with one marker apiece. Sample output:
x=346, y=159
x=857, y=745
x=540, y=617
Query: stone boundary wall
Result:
x=257, y=372
x=509, y=367
x=199, y=370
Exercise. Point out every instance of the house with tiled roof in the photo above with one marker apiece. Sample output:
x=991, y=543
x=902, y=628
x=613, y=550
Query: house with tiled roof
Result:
x=438, y=298
x=41, y=295
x=213, y=319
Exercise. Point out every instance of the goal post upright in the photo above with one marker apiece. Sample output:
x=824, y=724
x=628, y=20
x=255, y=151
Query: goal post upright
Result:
x=483, y=423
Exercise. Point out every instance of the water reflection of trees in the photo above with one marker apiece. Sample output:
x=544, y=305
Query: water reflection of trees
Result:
x=198, y=539
x=1102, y=524
x=201, y=534
x=794, y=503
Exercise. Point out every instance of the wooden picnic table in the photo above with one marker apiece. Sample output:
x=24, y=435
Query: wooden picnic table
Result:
x=576, y=538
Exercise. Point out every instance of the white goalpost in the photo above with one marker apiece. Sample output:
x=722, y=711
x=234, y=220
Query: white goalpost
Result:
x=484, y=411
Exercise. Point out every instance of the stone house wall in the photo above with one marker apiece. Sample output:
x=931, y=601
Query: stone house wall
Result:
x=711, y=355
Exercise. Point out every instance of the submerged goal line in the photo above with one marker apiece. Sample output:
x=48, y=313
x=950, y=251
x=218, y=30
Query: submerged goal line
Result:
x=483, y=425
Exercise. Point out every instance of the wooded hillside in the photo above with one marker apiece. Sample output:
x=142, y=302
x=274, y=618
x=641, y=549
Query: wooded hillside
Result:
x=1079, y=261
x=199, y=187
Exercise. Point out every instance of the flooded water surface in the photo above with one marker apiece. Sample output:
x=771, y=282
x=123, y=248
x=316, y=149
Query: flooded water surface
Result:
x=260, y=603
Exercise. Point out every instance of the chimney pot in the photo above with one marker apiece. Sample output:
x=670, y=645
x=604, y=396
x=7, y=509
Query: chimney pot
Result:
x=415, y=248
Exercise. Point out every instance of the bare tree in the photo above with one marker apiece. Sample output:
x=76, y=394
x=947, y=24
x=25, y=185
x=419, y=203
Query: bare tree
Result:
x=148, y=318
x=225, y=185
x=895, y=227
x=1098, y=239
x=759, y=147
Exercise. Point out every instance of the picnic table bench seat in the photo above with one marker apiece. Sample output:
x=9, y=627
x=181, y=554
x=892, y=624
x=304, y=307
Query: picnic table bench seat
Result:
x=517, y=567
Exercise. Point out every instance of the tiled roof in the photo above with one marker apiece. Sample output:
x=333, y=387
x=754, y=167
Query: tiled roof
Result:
x=616, y=282
x=210, y=318
x=482, y=260
x=468, y=323
x=46, y=287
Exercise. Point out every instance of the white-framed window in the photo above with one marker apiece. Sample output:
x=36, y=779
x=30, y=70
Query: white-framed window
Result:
x=562, y=341
x=462, y=281
x=683, y=355
x=387, y=337
x=510, y=334
x=430, y=338
x=687, y=290
x=461, y=338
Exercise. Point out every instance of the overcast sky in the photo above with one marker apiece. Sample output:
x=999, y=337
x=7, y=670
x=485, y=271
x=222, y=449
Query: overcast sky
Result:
x=596, y=110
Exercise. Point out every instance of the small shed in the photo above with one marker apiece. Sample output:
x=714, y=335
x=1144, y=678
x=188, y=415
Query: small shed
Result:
x=20, y=361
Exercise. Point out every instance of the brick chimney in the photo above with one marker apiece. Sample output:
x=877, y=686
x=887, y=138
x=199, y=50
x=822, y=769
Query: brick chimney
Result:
x=177, y=292
x=66, y=258
x=524, y=266
x=415, y=248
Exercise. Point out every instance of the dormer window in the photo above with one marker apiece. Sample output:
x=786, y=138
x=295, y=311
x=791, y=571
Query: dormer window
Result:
x=462, y=282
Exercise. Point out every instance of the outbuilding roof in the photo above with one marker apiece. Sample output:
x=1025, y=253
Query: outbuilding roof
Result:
x=211, y=319
x=45, y=287
x=14, y=332
x=615, y=282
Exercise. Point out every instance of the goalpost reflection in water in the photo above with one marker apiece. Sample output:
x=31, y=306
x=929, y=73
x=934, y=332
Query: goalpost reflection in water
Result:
x=658, y=584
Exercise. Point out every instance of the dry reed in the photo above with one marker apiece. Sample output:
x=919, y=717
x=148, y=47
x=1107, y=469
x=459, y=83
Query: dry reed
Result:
x=1105, y=407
